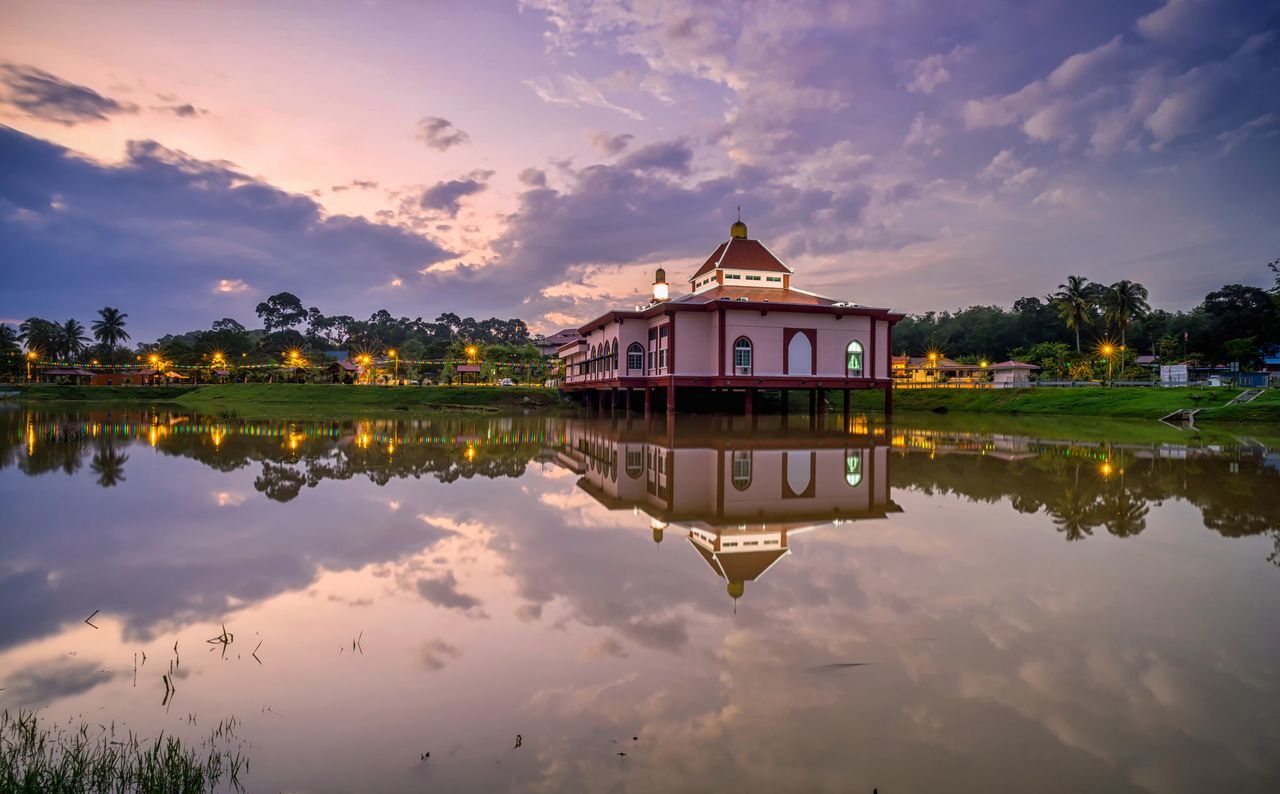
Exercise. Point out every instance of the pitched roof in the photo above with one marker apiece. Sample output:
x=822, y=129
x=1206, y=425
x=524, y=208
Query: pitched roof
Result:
x=742, y=254
x=760, y=294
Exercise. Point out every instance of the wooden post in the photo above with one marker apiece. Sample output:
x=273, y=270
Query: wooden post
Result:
x=846, y=407
x=786, y=402
x=888, y=401
x=813, y=401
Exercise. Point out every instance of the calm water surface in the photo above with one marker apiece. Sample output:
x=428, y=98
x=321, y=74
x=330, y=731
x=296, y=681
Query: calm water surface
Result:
x=734, y=608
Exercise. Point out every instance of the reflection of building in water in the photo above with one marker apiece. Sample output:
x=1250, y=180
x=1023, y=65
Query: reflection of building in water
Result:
x=741, y=495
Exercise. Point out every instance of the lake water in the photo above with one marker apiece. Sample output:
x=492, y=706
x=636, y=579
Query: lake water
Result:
x=913, y=607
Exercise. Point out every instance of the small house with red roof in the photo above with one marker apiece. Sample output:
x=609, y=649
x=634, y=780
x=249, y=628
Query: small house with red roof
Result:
x=742, y=328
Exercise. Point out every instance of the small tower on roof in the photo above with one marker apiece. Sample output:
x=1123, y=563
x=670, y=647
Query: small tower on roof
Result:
x=741, y=262
x=738, y=231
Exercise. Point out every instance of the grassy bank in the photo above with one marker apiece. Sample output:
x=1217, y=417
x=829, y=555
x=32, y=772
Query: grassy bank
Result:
x=296, y=399
x=1130, y=402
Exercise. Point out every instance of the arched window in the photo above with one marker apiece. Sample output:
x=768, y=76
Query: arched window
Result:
x=742, y=356
x=613, y=359
x=635, y=358
x=853, y=359
x=635, y=461
x=853, y=467
x=741, y=468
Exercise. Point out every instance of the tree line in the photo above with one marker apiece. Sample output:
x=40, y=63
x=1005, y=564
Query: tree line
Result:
x=1233, y=324
x=287, y=326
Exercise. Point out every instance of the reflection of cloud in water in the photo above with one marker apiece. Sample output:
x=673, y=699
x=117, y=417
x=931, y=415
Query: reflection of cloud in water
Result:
x=44, y=682
x=436, y=653
x=443, y=592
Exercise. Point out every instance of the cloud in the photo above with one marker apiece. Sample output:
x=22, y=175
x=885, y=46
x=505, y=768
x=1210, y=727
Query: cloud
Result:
x=672, y=156
x=575, y=91
x=356, y=184
x=440, y=134
x=1008, y=170
x=50, y=98
x=533, y=177
x=230, y=286
x=446, y=197
x=607, y=647
x=53, y=679
x=443, y=592
x=611, y=144
x=184, y=111
x=436, y=653
x=160, y=221
x=929, y=73
x=1085, y=64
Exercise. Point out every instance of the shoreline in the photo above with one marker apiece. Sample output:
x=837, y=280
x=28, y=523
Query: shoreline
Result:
x=1128, y=403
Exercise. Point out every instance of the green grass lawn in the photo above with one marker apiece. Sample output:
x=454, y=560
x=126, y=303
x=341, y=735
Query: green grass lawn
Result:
x=1119, y=402
x=297, y=399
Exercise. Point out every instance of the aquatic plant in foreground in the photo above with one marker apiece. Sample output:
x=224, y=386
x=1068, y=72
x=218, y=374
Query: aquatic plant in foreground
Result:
x=36, y=756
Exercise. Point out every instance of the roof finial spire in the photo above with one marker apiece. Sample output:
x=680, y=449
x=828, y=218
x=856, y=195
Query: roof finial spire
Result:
x=738, y=230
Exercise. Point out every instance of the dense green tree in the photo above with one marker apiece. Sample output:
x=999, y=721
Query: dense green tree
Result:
x=282, y=310
x=72, y=342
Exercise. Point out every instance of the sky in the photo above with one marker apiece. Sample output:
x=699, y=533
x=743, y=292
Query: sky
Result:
x=540, y=158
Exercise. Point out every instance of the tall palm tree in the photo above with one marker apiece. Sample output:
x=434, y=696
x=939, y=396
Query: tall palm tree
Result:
x=8, y=340
x=40, y=336
x=1124, y=301
x=73, y=341
x=1076, y=300
x=109, y=328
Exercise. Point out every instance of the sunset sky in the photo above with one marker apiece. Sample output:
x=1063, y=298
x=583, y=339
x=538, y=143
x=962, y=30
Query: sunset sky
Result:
x=538, y=159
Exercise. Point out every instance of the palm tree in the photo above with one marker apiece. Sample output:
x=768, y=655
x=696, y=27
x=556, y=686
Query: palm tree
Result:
x=109, y=328
x=72, y=340
x=40, y=336
x=1076, y=300
x=1124, y=301
x=8, y=340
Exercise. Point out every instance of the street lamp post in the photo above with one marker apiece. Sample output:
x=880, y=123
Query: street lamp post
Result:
x=395, y=366
x=31, y=356
x=1108, y=350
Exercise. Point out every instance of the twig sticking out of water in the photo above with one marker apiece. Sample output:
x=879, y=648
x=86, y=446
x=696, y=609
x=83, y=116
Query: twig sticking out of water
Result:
x=255, y=652
x=86, y=620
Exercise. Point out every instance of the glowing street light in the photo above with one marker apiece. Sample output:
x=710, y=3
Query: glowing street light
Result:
x=1108, y=351
x=31, y=356
x=472, y=351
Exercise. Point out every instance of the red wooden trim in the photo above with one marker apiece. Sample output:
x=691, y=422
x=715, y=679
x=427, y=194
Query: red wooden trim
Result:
x=787, y=335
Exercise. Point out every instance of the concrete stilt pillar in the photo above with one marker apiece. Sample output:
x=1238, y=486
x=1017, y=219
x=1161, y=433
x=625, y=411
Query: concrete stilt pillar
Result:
x=671, y=399
x=648, y=401
x=627, y=402
x=822, y=404
x=786, y=401
x=749, y=403
x=846, y=407
x=888, y=401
